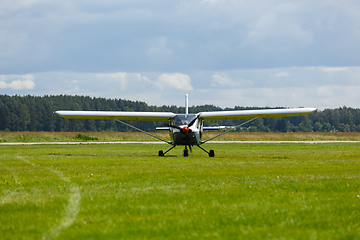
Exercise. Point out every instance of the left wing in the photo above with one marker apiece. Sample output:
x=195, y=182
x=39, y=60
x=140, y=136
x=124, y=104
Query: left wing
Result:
x=247, y=114
x=116, y=115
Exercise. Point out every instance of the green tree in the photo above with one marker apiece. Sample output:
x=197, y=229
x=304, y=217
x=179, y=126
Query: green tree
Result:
x=281, y=125
x=306, y=125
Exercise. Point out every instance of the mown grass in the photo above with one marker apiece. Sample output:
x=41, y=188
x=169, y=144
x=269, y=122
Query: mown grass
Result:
x=248, y=191
x=137, y=136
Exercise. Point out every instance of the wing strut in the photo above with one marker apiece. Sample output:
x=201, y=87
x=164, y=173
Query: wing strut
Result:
x=229, y=130
x=138, y=129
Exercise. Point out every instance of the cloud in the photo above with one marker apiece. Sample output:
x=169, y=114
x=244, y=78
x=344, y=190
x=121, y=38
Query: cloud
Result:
x=281, y=74
x=129, y=81
x=171, y=36
x=119, y=77
x=174, y=80
x=210, y=1
x=333, y=69
x=3, y=84
x=23, y=82
x=158, y=49
x=321, y=97
x=21, y=85
x=224, y=81
x=289, y=87
x=277, y=30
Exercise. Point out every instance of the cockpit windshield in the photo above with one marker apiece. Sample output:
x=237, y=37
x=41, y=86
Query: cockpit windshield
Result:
x=183, y=119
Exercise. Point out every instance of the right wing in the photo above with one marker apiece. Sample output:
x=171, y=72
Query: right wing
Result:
x=217, y=128
x=247, y=114
x=116, y=115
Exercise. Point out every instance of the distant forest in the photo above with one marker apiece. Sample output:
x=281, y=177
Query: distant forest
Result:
x=33, y=113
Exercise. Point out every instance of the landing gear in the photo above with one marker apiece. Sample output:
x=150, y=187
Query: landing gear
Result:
x=186, y=151
x=211, y=152
x=161, y=153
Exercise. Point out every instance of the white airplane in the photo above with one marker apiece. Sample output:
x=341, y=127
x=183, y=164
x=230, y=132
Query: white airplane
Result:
x=186, y=129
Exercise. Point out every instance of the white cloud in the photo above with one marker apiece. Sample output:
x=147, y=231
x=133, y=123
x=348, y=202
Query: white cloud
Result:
x=333, y=69
x=289, y=87
x=21, y=85
x=223, y=80
x=128, y=81
x=322, y=97
x=119, y=77
x=210, y=1
x=3, y=84
x=9, y=6
x=278, y=30
x=176, y=36
x=281, y=74
x=174, y=80
x=158, y=49
x=22, y=82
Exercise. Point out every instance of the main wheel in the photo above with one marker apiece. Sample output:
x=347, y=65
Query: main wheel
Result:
x=211, y=153
x=186, y=153
x=161, y=153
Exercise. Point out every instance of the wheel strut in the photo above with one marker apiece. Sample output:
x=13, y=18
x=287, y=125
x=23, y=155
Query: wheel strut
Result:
x=161, y=153
x=211, y=153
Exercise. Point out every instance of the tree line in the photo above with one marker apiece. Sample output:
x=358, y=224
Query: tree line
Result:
x=36, y=113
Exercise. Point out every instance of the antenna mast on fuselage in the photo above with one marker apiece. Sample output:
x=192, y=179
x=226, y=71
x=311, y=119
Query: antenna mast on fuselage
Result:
x=186, y=104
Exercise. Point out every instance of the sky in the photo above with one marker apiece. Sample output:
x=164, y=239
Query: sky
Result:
x=222, y=52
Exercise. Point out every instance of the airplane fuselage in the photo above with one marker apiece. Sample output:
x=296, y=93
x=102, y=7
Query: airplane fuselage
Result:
x=184, y=135
x=180, y=138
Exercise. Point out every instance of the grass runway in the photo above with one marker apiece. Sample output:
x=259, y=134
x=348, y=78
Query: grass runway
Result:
x=247, y=191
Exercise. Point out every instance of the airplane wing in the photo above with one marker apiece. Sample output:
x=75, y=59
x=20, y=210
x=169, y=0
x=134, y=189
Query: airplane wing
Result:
x=218, y=128
x=247, y=114
x=116, y=115
x=166, y=116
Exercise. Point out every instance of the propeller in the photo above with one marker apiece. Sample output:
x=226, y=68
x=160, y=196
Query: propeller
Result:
x=193, y=121
x=185, y=129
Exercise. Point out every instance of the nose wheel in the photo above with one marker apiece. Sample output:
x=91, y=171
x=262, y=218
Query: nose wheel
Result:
x=186, y=153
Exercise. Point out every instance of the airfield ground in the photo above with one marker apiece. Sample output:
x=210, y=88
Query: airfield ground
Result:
x=125, y=191
x=137, y=136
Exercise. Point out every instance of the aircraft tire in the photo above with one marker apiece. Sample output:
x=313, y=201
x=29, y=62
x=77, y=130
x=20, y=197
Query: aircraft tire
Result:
x=211, y=153
x=186, y=153
x=161, y=153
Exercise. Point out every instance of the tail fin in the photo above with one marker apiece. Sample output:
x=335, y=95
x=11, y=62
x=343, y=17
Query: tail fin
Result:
x=186, y=104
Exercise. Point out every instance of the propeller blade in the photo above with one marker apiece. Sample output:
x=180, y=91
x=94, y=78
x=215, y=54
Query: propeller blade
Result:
x=173, y=126
x=193, y=121
x=184, y=129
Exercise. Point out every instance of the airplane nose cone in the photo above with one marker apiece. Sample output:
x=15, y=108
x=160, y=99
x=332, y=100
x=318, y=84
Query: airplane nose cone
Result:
x=185, y=129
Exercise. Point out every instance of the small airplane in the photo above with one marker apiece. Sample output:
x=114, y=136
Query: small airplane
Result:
x=186, y=129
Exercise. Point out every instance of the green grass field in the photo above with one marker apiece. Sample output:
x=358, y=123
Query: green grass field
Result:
x=6, y=137
x=125, y=191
